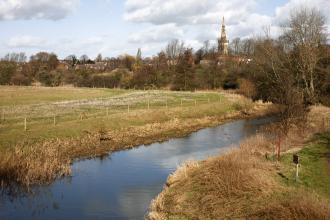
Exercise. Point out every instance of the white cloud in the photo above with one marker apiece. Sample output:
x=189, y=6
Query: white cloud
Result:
x=26, y=42
x=185, y=12
x=158, y=33
x=36, y=9
x=283, y=12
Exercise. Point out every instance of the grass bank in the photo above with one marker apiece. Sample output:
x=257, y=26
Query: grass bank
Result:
x=121, y=120
x=244, y=183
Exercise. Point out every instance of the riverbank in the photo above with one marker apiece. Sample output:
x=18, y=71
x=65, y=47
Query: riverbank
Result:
x=41, y=162
x=246, y=183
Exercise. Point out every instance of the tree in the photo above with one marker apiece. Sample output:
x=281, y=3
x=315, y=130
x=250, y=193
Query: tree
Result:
x=235, y=45
x=173, y=50
x=99, y=58
x=72, y=60
x=84, y=59
x=247, y=47
x=15, y=57
x=304, y=34
x=7, y=70
x=184, y=76
x=43, y=61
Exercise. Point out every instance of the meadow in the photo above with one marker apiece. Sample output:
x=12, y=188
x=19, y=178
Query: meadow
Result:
x=39, y=113
x=43, y=130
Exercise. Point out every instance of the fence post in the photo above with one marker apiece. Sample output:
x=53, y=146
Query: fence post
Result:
x=181, y=102
x=195, y=102
x=54, y=121
x=148, y=104
x=208, y=100
x=128, y=108
x=25, y=124
x=166, y=103
x=3, y=115
x=107, y=111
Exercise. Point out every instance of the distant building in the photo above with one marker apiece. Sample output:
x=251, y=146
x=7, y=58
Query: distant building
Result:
x=223, y=42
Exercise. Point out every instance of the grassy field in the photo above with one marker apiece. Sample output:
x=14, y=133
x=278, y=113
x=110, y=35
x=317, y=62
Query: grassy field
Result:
x=68, y=112
x=65, y=124
x=246, y=184
x=314, y=166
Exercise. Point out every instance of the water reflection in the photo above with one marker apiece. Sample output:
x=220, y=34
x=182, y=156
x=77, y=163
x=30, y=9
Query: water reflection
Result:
x=121, y=187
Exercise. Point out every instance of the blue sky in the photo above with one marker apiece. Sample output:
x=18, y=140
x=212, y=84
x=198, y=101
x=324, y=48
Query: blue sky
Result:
x=114, y=27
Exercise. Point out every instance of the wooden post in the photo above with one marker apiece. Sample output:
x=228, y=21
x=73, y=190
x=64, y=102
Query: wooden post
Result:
x=25, y=124
x=3, y=115
x=148, y=104
x=195, y=102
x=54, y=121
x=181, y=102
x=296, y=162
x=128, y=108
x=208, y=100
x=166, y=103
x=107, y=111
x=279, y=148
x=297, y=172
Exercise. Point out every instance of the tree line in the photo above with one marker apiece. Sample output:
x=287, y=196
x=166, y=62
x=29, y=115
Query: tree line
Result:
x=294, y=65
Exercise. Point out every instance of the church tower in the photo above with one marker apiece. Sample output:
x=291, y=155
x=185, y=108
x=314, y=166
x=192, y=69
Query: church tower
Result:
x=222, y=41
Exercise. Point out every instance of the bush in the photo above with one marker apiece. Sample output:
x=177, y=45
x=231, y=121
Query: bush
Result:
x=247, y=88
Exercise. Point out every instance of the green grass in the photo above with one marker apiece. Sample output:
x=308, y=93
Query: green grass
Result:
x=315, y=166
x=39, y=105
x=21, y=95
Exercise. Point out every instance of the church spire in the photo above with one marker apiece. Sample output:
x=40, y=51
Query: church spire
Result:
x=223, y=42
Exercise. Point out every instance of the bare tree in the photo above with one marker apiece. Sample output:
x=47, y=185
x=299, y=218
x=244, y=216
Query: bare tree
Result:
x=235, y=44
x=304, y=33
x=99, y=58
x=84, y=58
x=248, y=46
x=174, y=49
x=15, y=57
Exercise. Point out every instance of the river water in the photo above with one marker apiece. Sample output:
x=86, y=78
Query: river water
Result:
x=122, y=186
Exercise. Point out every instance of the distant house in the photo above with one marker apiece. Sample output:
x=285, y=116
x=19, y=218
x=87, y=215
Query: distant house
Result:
x=63, y=65
x=97, y=66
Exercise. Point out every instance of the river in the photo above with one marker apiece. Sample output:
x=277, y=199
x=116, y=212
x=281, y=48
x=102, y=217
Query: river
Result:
x=122, y=185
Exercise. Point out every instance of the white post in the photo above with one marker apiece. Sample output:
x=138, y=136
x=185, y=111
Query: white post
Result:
x=297, y=172
x=54, y=121
x=107, y=111
x=148, y=104
x=25, y=126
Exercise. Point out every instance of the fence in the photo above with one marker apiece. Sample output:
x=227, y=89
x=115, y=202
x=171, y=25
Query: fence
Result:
x=56, y=114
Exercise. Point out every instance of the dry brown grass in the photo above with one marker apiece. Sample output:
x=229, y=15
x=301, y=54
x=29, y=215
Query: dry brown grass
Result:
x=221, y=186
x=297, y=205
x=242, y=184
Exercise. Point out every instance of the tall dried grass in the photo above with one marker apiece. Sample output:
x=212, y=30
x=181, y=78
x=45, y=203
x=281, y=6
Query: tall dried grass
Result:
x=219, y=186
x=242, y=183
x=297, y=205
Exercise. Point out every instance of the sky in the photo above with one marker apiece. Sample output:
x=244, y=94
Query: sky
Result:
x=115, y=27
